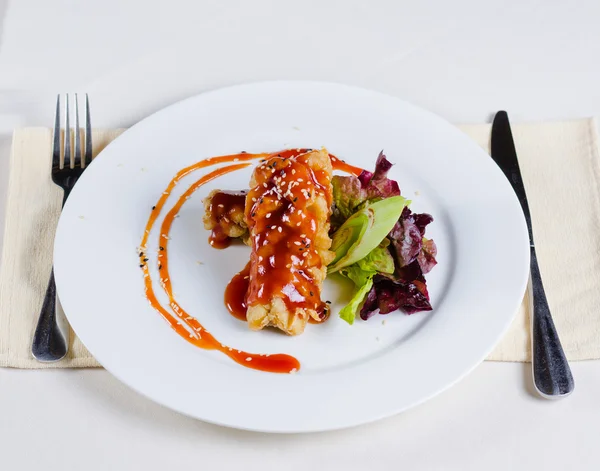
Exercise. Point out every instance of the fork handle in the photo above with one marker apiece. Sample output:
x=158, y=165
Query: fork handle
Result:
x=551, y=372
x=49, y=343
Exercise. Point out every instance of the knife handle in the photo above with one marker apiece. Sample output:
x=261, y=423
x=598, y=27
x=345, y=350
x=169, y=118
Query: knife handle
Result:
x=551, y=372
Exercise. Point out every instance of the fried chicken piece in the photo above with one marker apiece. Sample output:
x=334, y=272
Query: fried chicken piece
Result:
x=287, y=213
x=224, y=217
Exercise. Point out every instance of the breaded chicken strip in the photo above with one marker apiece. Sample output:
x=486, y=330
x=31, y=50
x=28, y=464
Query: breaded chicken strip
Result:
x=287, y=213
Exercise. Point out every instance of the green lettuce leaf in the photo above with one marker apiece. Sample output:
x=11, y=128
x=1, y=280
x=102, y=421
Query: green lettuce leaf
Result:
x=364, y=230
x=358, y=276
x=348, y=312
x=378, y=260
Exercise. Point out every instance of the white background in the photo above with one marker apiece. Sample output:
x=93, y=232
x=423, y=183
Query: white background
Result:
x=463, y=59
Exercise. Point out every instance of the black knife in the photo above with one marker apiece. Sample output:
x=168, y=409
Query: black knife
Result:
x=551, y=372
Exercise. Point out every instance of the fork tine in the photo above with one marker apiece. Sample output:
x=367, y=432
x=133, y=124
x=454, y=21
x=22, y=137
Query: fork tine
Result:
x=68, y=162
x=77, y=135
x=56, y=137
x=88, y=133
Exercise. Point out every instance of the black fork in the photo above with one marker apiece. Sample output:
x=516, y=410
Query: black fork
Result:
x=51, y=338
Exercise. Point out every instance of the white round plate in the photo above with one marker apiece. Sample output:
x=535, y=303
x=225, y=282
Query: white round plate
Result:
x=350, y=374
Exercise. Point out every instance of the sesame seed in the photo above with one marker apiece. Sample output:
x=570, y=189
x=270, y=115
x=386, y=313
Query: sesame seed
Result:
x=297, y=243
x=268, y=215
x=279, y=228
x=273, y=227
x=220, y=206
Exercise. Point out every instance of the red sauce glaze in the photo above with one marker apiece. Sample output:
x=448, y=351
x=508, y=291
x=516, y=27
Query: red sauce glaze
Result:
x=339, y=164
x=285, y=211
x=226, y=210
x=235, y=294
x=235, y=297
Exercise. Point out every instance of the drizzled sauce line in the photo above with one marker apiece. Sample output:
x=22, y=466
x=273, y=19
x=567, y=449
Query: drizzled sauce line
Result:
x=195, y=333
x=339, y=164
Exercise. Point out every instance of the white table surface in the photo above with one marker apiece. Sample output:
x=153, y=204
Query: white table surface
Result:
x=463, y=59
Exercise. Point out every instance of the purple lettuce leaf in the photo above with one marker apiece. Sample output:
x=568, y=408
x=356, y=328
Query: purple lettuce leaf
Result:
x=388, y=295
x=377, y=184
x=422, y=220
x=426, y=258
x=349, y=192
x=406, y=239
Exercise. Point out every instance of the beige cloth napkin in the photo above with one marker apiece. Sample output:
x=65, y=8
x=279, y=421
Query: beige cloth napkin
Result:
x=561, y=167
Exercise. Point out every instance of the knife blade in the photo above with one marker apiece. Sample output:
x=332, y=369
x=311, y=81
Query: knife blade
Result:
x=552, y=375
